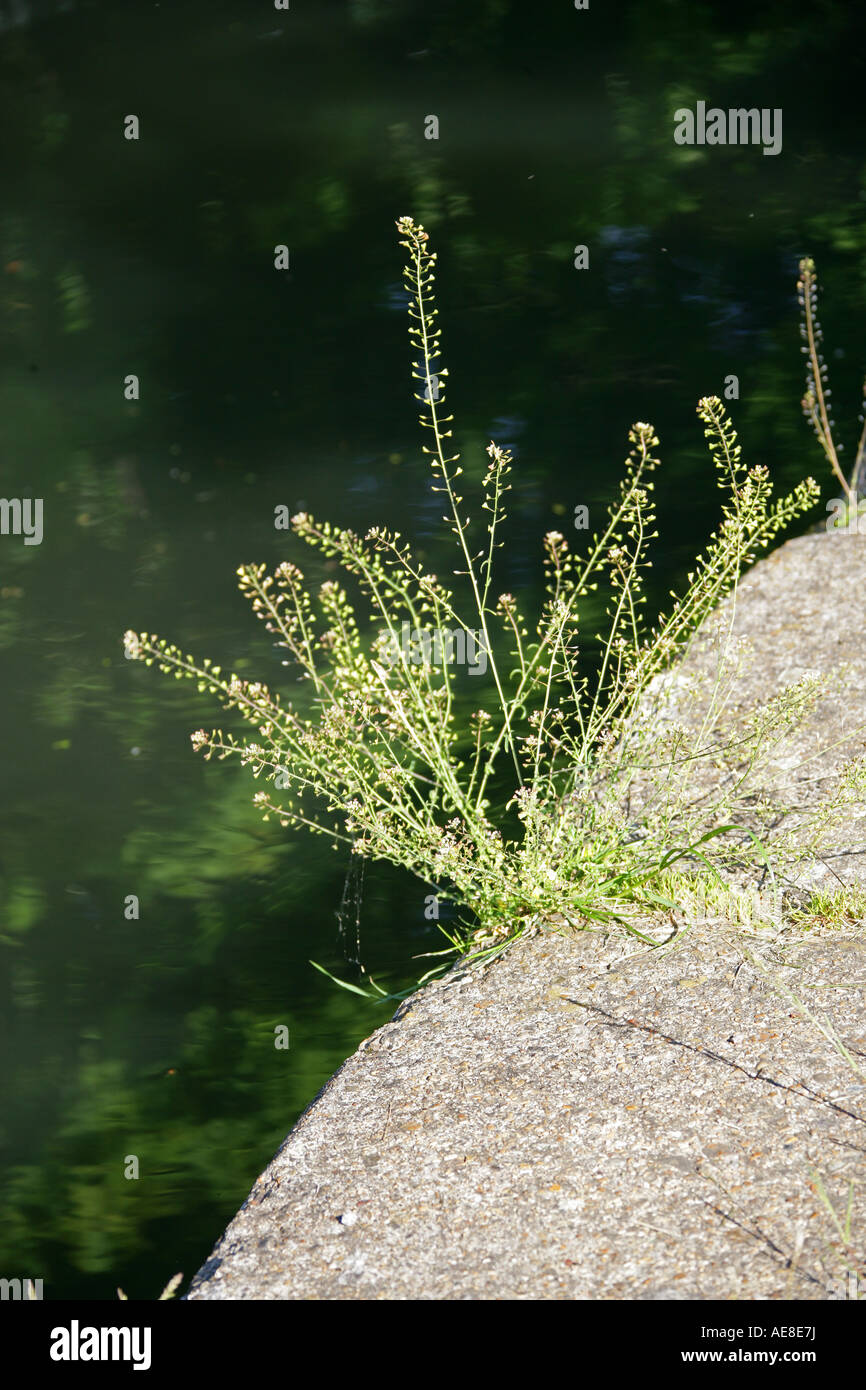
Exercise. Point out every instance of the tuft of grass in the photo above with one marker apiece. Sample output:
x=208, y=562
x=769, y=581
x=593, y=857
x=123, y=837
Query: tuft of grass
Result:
x=568, y=790
x=843, y=907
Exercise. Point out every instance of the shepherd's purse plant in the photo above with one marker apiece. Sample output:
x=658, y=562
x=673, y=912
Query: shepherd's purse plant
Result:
x=815, y=403
x=566, y=796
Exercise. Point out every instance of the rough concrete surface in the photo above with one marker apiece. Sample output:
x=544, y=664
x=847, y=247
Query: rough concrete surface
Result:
x=585, y=1118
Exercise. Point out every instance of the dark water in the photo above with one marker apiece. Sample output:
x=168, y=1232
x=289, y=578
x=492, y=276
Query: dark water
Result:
x=155, y=1037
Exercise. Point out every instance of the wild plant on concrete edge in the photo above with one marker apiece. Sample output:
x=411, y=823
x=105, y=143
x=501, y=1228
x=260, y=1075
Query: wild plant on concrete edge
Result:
x=525, y=809
x=815, y=404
